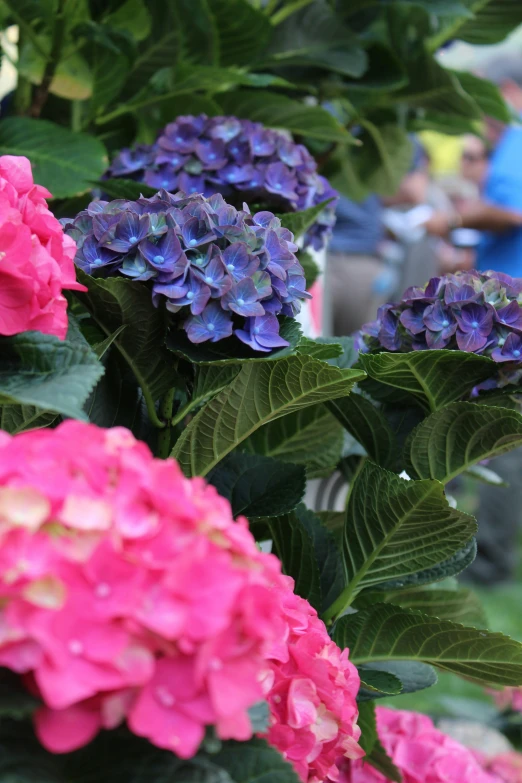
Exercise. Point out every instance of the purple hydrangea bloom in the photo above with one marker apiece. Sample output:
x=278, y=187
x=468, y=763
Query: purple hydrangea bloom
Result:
x=467, y=311
x=240, y=159
x=216, y=269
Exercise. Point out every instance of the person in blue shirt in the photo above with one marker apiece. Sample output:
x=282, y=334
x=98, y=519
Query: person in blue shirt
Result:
x=499, y=214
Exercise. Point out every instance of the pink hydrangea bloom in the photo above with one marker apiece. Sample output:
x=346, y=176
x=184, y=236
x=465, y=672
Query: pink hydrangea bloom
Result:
x=128, y=592
x=508, y=698
x=311, y=690
x=422, y=753
x=506, y=766
x=36, y=258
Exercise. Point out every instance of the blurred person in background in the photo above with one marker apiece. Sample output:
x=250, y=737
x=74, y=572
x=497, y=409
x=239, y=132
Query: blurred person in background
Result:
x=357, y=279
x=499, y=216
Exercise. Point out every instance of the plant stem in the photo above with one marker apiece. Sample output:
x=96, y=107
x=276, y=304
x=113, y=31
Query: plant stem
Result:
x=76, y=116
x=42, y=91
x=166, y=407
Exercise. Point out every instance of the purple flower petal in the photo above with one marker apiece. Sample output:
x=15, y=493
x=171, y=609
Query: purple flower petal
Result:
x=242, y=299
x=262, y=333
x=510, y=315
x=212, y=324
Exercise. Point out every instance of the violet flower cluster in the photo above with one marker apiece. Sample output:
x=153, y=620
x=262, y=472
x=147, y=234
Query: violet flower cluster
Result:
x=468, y=311
x=224, y=271
x=240, y=159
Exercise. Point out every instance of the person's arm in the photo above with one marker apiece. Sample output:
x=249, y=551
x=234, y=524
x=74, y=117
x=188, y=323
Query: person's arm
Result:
x=480, y=216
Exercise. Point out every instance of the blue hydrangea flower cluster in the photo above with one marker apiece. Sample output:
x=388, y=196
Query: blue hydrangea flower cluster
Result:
x=468, y=311
x=224, y=271
x=242, y=160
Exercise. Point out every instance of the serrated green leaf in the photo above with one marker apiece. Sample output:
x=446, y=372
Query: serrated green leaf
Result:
x=321, y=348
x=40, y=371
x=396, y=527
x=209, y=380
x=368, y=425
x=299, y=222
x=453, y=566
x=309, y=555
x=232, y=350
x=62, y=161
x=377, y=684
x=413, y=675
x=133, y=18
x=486, y=95
x=258, y=486
x=262, y=392
x=114, y=302
x=386, y=633
x=461, y=605
x=433, y=378
x=458, y=436
x=278, y=111
x=311, y=437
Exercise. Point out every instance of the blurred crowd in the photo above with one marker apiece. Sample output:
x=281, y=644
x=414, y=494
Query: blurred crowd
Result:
x=458, y=208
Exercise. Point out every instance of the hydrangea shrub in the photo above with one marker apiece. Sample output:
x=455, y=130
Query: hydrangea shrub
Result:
x=241, y=159
x=36, y=258
x=223, y=271
x=467, y=311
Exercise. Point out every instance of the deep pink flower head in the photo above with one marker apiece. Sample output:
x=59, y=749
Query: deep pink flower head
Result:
x=422, y=753
x=311, y=691
x=506, y=766
x=128, y=592
x=508, y=698
x=36, y=258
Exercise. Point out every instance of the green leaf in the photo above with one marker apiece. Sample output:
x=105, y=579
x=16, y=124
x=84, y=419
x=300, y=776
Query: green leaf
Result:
x=72, y=79
x=432, y=87
x=278, y=111
x=321, y=348
x=258, y=486
x=116, y=400
x=62, y=161
x=299, y=222
x=491, y=22
x=387, y=633
x=17, y=418
x=254, y=762
x=109, y=71
x=458, y=436
x=384, y=157
x=368, y=726
x=396, y=527
x=114, y=302
x=15, y=700
x=460, y=605
x=133, y=18
x=486, y=95
x=450, y=567
x=41, y=371
x=124, y=188
x=317, y=37
x=210, y=379
x=309, y=555
x=380, y=760
x=311, y=437
x=377, y=684
x=433, y=378
x=368, y=426
x=262, y=392
x=232, y=350
x=243, y=30
x=412, y=675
